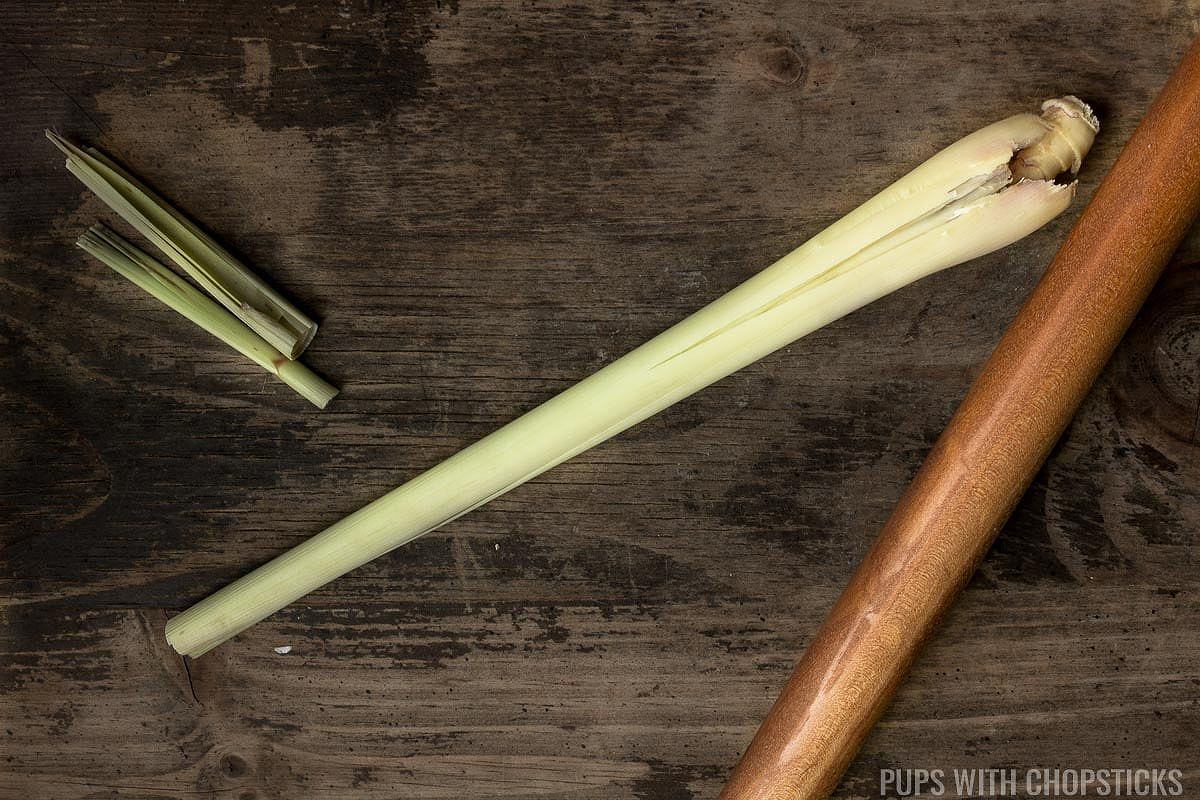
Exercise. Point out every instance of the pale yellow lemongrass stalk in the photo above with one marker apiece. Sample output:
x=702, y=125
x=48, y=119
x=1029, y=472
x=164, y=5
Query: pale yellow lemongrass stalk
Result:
x=956, y=206
x=230, y=281
x=152, y=276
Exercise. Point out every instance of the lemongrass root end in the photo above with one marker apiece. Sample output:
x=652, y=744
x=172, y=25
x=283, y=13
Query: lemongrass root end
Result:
x=1071, y=129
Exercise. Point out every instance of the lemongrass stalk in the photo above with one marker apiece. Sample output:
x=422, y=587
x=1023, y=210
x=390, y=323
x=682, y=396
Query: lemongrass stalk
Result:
x=956, y=206
x=232, y=283
x=153, y=277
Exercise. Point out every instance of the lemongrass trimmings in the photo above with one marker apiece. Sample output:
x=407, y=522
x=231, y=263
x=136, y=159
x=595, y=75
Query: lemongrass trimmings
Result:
x=155, y=278
x=954, y=207
x=232, y=283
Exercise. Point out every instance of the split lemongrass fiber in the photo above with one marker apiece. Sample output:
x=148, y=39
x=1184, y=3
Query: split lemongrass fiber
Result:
x=218, y=272
x=958, y=205
x=149, y=274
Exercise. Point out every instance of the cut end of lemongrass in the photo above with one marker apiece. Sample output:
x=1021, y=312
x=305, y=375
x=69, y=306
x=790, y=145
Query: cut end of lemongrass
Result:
x=223, y=276
x=146, y=272
x=310, y=385
x=976, y=196
x=185, y=642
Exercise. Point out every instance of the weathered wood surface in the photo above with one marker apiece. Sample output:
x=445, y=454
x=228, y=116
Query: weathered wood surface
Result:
x=483, y=203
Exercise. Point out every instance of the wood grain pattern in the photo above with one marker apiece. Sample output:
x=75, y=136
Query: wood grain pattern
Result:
x=483, y=203
x=1024, y=398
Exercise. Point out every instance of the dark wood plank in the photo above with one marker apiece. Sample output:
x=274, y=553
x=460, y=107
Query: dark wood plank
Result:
x=483, y=204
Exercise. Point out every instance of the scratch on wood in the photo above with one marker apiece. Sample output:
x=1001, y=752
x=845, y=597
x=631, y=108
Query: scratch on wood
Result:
x=256, y=67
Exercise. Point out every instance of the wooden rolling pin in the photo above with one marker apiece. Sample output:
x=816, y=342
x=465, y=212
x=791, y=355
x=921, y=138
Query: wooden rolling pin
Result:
x=989, y=453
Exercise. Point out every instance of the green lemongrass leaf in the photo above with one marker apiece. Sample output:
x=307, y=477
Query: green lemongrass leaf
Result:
x=156, y=279
x=958, y=205
x=212, y=266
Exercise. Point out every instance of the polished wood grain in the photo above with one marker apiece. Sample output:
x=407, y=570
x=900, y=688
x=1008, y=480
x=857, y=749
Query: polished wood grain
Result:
x=482, y=203
x=1017, y=408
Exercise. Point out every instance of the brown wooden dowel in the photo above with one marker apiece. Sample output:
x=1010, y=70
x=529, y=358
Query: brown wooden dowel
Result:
x=989, y=453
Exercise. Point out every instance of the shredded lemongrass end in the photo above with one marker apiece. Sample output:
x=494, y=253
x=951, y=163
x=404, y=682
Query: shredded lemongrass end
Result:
x=958, y=205
x=152, y=276
x=232, y=283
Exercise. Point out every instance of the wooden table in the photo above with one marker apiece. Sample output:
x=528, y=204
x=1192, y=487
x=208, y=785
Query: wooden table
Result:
x=482, y=204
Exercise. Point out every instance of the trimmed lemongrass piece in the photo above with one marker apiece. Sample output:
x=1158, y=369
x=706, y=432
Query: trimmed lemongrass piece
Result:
x=956, y=206
x=155, y=278
x=231, y=282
